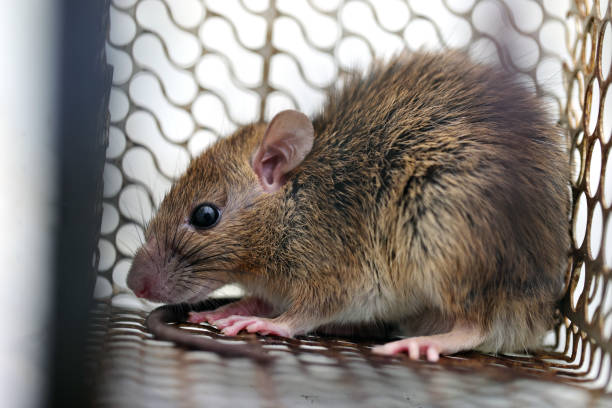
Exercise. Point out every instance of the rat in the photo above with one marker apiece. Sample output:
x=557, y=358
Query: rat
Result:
x=430, y=193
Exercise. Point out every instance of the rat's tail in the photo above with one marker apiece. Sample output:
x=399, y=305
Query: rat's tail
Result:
x=158, y=324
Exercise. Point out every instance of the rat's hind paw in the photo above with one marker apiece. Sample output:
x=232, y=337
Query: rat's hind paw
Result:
x=414, y=346
x=463, y=336
x=252, y=324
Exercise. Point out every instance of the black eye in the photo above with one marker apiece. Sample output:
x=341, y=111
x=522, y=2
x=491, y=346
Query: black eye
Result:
x=205, y=216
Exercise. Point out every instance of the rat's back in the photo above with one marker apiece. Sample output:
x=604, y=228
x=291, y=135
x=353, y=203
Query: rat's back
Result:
x=454, y=184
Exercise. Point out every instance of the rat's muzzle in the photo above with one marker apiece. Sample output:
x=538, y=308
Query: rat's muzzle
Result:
x=146, y=277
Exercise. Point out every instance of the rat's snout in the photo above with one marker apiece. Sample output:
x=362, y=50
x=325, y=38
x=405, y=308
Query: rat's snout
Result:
x=139, y=284
x=144, y=277
x=139, y=279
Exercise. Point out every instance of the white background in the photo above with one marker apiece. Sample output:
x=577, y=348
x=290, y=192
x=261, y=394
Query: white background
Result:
x=27, y=123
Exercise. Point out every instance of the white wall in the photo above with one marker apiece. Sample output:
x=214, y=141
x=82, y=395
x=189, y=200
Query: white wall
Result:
x=27, y=124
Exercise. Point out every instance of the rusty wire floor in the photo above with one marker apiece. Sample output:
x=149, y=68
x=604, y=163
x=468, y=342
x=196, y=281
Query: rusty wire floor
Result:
x=134, y=370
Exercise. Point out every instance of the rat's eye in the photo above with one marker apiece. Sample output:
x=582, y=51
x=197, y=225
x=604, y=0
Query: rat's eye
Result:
x=205, y=216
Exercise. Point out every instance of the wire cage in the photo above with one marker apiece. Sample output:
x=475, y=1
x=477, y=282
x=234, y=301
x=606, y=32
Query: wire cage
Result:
x=187, y=72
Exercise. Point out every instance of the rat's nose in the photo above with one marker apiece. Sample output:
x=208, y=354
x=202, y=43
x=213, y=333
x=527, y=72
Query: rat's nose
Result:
x=144, y=278
x=143, y=292
x=139, y=285
x=138, y=280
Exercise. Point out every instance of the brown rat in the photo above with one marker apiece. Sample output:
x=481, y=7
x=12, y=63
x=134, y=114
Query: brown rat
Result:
x=430, y=193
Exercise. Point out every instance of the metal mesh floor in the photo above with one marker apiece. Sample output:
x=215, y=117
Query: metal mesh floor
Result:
x=135, y=370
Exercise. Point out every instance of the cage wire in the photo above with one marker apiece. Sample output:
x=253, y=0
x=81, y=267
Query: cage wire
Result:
x=187, y=72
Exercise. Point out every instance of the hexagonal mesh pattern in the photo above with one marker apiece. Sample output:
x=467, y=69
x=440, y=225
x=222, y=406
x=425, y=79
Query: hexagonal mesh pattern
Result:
x=587, y=306
x=190, y=71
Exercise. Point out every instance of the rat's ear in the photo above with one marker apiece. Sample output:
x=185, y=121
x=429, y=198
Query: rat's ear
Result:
x=286, y=142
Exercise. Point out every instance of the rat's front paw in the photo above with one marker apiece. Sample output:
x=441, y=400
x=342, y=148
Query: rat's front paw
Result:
x=212, y=316
x=249, y=306
x=252, y=324
x=207, y=316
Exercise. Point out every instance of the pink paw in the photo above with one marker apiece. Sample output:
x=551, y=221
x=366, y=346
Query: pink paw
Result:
x=252, y=324
x=249, y=306
x=463, y=336
x=414, y=346
x=209, y=316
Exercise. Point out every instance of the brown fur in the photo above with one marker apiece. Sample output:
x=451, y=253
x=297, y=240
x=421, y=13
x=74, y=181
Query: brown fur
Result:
x=436, y=190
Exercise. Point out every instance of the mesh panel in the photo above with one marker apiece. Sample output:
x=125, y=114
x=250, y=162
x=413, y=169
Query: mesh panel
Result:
x=189, y=71
x=138, y=371
x=588, y=303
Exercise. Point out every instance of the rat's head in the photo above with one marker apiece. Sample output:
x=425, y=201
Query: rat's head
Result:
x=202, y=235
